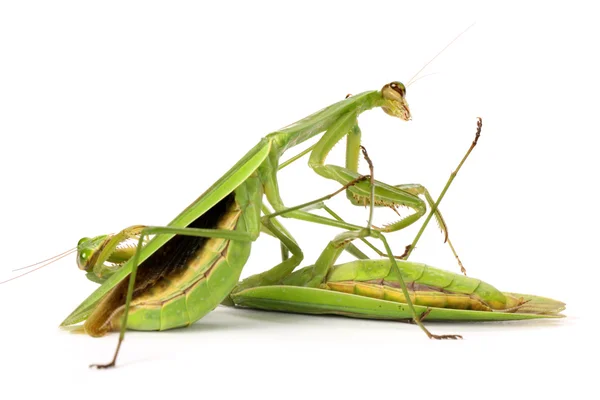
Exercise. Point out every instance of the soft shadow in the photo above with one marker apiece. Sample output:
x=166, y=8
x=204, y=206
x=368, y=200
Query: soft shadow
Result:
x=229, y=318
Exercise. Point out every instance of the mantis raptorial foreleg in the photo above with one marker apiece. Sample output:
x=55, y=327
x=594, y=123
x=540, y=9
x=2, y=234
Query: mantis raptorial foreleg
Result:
x=383, y=194
x=353, y=141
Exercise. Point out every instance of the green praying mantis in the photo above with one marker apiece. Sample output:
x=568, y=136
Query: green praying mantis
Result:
x=178, y=273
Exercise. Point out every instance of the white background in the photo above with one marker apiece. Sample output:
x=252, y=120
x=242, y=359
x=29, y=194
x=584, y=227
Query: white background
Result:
x=122, y=113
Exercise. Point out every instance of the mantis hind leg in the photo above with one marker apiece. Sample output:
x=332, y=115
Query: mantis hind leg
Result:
x=351, y=180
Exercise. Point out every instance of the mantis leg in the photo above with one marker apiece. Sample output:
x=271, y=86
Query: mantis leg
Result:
x=417, y=190
x=98, y=257
x=434, y=207
x=281, y=270
x=351, y=248
x=384, y=195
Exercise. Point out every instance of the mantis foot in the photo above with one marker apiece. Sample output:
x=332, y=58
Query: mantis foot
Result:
x=423, y=315
x=103, y=366
x=407, y=250
x=114, y=360
x=443, y=337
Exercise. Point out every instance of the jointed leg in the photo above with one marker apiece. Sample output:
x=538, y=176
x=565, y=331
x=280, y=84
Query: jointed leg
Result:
x=355, y=184
x=281, y=270
x=418, y=190
x=434, y=208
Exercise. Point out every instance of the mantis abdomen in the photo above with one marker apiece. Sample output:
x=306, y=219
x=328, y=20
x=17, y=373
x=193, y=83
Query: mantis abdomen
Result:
x=429, y=298
x=431, y=287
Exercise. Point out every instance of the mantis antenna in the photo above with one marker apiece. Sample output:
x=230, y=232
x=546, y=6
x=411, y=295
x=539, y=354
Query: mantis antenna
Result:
x=413, y=80
x=45, y=262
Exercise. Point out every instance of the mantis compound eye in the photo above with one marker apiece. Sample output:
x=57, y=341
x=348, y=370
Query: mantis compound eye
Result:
x=397, y=87
x=394, y=102
x=83, y=256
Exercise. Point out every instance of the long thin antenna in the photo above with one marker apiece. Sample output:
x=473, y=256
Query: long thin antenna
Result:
x=53, y=259
x=57, y=257
x=437, y=55
x=421, y=77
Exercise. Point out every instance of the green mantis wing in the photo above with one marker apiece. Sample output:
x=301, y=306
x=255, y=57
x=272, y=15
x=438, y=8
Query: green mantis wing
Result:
x=318, y=301
x=227, y=184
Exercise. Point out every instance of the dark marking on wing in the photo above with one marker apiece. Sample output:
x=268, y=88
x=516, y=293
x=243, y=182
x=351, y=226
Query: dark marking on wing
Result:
x=173, y=256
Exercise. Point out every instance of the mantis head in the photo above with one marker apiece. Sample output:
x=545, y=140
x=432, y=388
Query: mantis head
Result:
x=394, y=101
x=88, y=253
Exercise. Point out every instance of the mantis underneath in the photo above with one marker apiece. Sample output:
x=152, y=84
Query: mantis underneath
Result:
x=194, y=263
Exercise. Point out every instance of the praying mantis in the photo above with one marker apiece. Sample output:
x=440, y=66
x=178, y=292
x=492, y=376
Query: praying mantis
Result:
x=193, y=264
